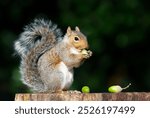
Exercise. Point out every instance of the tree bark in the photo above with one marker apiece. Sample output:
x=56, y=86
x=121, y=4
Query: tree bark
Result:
x=66, y=96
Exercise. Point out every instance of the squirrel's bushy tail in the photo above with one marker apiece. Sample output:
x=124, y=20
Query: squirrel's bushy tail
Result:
x=37, y=38
x=38, y=30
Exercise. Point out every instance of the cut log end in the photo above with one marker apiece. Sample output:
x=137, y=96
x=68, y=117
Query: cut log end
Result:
x=123, y=96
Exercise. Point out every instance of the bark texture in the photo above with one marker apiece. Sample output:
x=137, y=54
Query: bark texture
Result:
x=123, y=96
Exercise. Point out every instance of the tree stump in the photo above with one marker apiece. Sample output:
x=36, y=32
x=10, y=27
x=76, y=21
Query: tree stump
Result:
x=122, y=96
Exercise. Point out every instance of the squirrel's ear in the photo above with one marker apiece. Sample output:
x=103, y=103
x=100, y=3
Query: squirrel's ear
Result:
x=77, y=29
x=69, y=30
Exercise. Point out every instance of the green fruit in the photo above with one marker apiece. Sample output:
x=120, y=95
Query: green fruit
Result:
x=85, y=89
x=115, y=89
x=84, y=52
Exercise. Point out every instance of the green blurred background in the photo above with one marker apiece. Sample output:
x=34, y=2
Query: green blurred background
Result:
x=117, y=31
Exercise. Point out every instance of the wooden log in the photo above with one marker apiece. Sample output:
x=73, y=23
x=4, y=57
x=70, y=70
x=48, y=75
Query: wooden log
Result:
x=123, y=96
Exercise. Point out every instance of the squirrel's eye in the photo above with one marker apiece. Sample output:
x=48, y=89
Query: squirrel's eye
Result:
x=76, y=38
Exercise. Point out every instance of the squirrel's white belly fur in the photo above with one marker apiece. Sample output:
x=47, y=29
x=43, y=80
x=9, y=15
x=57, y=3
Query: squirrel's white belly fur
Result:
x=67, y=75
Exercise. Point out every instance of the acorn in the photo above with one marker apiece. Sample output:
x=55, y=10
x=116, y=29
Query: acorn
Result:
x=117, y=88
x=84, y=51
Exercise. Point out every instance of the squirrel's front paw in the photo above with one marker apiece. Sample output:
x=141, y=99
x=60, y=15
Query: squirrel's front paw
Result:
x=86, y=53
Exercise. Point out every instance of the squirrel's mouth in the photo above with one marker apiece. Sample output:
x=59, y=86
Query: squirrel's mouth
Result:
x=81, y=47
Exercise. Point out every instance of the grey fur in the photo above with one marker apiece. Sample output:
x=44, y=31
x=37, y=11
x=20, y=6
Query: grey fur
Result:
x=27, y=47
x=31, y=31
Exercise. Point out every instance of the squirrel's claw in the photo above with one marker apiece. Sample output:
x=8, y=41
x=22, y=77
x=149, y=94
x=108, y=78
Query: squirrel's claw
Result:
x=89, y=53
x=86, y=54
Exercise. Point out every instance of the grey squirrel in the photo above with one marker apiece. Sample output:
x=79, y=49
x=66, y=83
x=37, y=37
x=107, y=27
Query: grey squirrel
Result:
x=48, y=58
